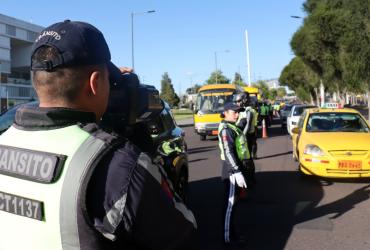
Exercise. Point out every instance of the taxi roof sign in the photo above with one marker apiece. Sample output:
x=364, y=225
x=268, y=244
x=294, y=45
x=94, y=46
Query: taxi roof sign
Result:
x=331, y=105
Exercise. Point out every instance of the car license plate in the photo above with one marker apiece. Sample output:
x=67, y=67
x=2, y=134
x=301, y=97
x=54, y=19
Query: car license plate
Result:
x=214, y=132
x=350, y=165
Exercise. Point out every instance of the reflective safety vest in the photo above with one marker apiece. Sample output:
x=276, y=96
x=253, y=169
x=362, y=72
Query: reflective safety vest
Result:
x=264, y=110
x=243, y=115
x=256, y=120
x=240, y=141
x=43, y=177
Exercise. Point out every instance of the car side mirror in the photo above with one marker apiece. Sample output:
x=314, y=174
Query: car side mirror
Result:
x=153, y=130
x=295, y=130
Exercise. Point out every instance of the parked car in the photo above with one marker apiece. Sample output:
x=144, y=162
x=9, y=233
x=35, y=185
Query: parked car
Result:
x=7, y=118
x=169, y=142
x=167, y=145
x=295, y=113
x=284, y=112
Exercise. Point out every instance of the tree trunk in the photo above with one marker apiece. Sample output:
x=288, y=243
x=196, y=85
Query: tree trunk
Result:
x=342, y=99
x=368, y=106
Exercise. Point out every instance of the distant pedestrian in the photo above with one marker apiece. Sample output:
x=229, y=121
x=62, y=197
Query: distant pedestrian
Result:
x=265, y=114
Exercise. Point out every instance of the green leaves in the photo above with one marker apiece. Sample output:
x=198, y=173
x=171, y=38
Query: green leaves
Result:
x=217, y=78
x=334, y=42
x=167, y=91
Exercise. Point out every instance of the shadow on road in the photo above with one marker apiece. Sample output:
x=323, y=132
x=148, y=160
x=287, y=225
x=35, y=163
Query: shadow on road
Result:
x=279, y=202
x=201, y=149
x=274, y=155
x=195, y=160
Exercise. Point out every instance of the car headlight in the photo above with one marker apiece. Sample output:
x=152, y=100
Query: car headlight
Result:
x=200, y=112
x=313, y=150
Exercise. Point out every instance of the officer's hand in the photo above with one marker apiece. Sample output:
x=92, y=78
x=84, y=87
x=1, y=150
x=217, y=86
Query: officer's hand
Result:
x=238, y=178
x=126, y=70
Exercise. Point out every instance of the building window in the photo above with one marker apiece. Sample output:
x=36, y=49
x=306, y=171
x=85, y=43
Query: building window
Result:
x=10, y=30
x=31, y=36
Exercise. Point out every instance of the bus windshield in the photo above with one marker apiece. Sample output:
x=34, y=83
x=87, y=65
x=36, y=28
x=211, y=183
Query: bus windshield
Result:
x=212, y=101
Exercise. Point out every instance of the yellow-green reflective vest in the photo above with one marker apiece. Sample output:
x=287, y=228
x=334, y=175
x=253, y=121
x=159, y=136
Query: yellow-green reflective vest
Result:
x=39, y=215
x=254, y=118
x=240, y=141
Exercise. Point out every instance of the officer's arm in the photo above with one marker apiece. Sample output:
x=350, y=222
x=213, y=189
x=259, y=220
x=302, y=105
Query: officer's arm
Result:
x=162, y=219
x=131, y=202
x=249, y=122
x=228, y=145
x=242, y=122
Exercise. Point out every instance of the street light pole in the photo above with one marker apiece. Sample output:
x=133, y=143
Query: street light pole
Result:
x=132, y=32
x=248, y=64
x=132, y=40
x=1, y=105
x=225, y=51
x=216, y=65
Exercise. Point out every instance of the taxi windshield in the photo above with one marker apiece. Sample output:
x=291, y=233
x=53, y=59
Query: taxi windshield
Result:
x=210, y=102
x=336, y=122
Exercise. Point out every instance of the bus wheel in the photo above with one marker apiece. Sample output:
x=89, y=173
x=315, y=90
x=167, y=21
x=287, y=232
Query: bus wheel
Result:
x=203, y=137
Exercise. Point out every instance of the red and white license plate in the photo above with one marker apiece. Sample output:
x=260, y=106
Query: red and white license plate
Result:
x=350, y=165
x=214, y=132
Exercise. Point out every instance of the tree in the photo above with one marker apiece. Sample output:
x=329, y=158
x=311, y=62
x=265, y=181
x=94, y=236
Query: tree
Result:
x=263, y=88
x=273, y=94
x=281, y=92
x=217, y=77
x=238, y=80
x=334, y=42
x=193, y=89
x=167, y=91
x=298, y=75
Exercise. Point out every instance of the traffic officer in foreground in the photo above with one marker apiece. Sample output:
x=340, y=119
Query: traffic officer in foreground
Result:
x=234, y=157
x=65, y=183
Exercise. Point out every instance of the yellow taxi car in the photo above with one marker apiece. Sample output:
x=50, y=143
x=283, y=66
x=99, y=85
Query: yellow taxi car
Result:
x=332, y=142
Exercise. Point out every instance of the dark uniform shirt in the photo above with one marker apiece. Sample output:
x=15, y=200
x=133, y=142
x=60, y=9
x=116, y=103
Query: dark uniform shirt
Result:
x=231, y=164
x=149, y=219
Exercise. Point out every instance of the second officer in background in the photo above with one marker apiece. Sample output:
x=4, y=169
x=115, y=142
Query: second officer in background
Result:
x=246, y=122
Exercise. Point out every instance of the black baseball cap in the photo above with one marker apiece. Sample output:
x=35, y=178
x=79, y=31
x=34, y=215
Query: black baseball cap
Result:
x=78, y=43
x=232, y=106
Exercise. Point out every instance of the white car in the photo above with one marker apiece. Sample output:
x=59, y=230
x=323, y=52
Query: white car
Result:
x=295, y=113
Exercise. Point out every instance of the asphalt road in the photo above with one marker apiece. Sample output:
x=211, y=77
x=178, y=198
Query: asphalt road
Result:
x=284, y=210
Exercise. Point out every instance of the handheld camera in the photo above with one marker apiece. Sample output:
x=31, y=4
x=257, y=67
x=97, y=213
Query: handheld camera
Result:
x=130, y=103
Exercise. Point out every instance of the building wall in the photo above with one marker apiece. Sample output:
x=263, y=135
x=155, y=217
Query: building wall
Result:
x=16, y=39
x=21, y=55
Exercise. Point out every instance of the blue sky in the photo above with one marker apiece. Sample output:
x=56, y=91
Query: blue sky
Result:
x=181, y=37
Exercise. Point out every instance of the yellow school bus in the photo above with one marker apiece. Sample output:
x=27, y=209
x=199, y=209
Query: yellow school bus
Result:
x=253, y=93
x=209, y=105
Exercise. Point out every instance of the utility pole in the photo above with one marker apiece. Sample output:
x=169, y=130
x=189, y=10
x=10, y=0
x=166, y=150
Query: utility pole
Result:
x=247, y=55
x=225, y=51
x=132, y=32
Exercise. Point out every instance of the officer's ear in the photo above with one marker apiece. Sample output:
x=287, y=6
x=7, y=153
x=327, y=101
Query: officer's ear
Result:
x=94, y=80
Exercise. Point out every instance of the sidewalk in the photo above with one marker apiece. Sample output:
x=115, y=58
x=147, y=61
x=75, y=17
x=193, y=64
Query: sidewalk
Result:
x=188, y=122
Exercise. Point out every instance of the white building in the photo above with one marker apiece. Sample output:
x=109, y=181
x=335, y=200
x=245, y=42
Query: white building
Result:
x=275, y=84
x=16, y=39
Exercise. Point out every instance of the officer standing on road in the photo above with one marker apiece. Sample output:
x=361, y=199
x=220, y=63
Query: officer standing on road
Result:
x=65, y=183
x=234, y=157
x=247, y=122
x=265, y=114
